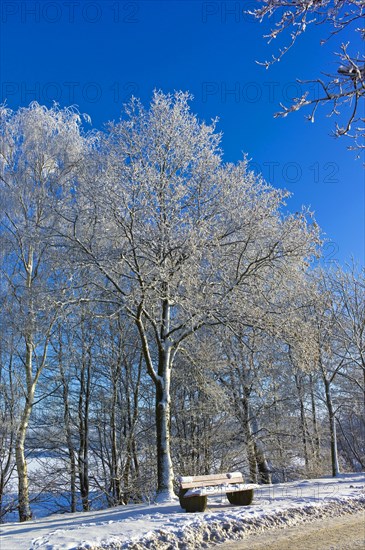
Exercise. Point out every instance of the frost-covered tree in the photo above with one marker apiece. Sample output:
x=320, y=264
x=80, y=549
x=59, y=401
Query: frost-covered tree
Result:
x=325, y=341
x=39, y=152
x=9, y=407
x=202, y=426
x=347, y=288
x=179, y=237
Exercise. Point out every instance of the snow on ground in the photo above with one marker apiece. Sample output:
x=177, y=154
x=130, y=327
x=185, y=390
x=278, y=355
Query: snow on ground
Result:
x=167, y=526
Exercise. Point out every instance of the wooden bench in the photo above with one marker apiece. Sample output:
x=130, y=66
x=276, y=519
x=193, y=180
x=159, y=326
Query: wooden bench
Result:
x=194, y=490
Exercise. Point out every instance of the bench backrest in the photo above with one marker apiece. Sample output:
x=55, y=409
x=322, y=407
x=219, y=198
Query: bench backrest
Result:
x=189, y=482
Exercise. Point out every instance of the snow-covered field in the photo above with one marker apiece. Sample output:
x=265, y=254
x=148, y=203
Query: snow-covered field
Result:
x=167, y=526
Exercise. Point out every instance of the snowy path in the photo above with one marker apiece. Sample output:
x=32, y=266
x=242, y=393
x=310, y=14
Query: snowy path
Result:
x=166, y=527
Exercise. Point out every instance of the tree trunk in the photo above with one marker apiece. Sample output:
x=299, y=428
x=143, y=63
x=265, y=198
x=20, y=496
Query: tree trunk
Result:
x=303, y=421
x=165, y=474
x=83, y=411
x=115, y=469
x=131, y=466
x=262, y=464
x=25, y=513
x=162, y=381
x=68, y=433
x=72, y=458
x=31, y=383
x=21, y=463
x=250, y=443
x=8, y=435
x=259, y=468
x=317, y=445
x=332, y=426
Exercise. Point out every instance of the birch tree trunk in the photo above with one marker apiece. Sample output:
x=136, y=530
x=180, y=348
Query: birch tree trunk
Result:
x=25, y=513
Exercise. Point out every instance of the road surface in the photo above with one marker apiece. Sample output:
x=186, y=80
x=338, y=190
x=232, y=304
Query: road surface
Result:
x=339, y=533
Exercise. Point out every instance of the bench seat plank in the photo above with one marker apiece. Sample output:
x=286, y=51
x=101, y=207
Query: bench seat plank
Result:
x=209, y=483
x=188, y=482
x=218, y=489
x=228, y=475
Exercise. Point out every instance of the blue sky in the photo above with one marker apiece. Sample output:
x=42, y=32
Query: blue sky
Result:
x=97, y=54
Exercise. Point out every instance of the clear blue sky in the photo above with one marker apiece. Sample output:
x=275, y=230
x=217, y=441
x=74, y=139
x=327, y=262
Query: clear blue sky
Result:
x=97, y=54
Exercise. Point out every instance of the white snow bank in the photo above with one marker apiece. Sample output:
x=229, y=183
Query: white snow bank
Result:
x=218, y=528
x=167, y=526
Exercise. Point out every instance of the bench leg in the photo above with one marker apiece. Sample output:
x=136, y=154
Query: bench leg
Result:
x=181, y=498
x=241, y=498
x=192, y=504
